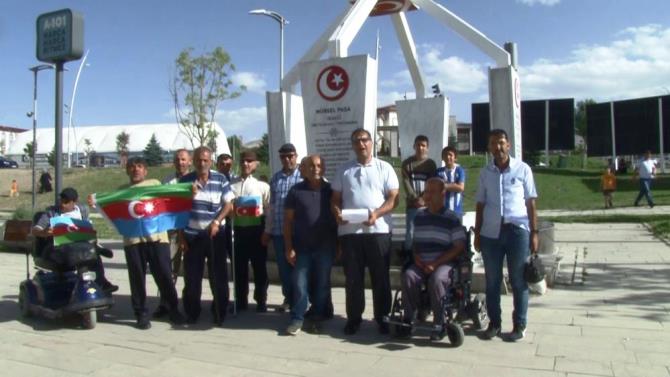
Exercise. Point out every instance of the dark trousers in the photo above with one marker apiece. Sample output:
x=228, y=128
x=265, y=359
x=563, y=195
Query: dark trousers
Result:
x=157, y=255
x=248, y=248
x=371, y=251
x=201, y=247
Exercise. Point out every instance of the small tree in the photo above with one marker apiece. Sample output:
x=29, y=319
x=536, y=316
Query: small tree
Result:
x=28, y=151
x=580, y=124
x=51, y=157
x=153, y=152
x=89, y=152
x=3, y=145
x=199, y=84
x=263, y=150
x=122, y=141
x=235, y=145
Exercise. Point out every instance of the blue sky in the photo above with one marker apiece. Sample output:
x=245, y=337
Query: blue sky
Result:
x=601, y=49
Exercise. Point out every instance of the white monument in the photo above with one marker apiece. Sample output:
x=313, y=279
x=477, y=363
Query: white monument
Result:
x=504, y=88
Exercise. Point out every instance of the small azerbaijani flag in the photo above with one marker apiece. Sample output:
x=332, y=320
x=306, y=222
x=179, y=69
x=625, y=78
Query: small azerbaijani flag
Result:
x=144, y=210
x=67, y=230
x=248, y=210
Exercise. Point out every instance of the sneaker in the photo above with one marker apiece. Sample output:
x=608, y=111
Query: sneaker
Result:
x=352, y=327
x=175, y=317
x=160, y=312
x=491, y=332
x=438, y=333
x=261, y=307
x=284, y=307
x=294, y=327
x=143, y=323
x=518, y=333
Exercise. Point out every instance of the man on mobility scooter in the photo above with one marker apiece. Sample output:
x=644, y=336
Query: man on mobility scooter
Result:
x=70, y=277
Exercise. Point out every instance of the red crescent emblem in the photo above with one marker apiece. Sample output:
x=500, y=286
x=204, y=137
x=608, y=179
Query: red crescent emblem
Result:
x=332, y=83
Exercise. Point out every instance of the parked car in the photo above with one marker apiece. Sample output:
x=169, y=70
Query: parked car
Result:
x=6, y=163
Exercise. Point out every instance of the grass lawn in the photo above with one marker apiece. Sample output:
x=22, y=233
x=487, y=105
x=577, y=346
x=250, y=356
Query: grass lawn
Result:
x=564, y=188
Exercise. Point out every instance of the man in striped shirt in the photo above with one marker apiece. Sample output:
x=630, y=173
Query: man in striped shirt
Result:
x=212, y=202
x=439, y=239
x=453, y=176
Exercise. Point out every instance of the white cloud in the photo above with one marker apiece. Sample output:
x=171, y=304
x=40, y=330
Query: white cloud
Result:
x=635, y=65
x=453, y=74
x=253, y=81
x=389, y=98
x=248, y=122
x=548, y=3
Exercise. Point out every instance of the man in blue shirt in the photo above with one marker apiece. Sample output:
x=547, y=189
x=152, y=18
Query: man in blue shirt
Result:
x=280, y=184
x=505, y=226
x=453, y=176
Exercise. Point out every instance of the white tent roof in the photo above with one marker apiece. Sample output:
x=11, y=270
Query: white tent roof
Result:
x=103, y=138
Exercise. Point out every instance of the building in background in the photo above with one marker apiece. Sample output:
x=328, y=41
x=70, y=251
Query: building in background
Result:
x=8, y=136
x=96, y=145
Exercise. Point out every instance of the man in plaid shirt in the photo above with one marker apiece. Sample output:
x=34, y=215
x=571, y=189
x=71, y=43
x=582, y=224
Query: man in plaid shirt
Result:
x=280, y=184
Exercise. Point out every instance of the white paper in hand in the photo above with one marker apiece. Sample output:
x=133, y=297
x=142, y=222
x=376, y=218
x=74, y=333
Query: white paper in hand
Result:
x=355, y=216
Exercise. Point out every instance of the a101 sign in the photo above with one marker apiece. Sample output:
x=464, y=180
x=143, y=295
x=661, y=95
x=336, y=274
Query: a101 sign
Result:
x=60, y=36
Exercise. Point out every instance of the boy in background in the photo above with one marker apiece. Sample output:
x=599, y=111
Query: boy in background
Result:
x=608, y=186
x=453, y=176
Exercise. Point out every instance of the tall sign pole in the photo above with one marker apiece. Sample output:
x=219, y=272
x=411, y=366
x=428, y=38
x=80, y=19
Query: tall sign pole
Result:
x=60, y=38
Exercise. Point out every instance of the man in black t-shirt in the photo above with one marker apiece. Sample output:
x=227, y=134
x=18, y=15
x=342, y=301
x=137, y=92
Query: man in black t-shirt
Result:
x=310, y=236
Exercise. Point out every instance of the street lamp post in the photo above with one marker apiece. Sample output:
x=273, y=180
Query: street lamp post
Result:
x=282, y=21
x=70, y=111
x=33, y=113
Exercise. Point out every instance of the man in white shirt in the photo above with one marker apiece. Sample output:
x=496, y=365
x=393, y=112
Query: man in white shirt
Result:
x=365, y=183
x=645, y=171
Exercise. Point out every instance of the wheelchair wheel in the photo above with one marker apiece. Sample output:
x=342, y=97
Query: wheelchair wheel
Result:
x=477, y=311
x=455, y=334
x=24, y=302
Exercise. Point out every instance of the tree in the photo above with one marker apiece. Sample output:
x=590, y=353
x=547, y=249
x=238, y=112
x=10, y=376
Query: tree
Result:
x=580, y=124
x=51, y=157
x=153, y=152
x=235, y=144
x=263, y=150
x=28, y=151
x=580, y=117
x=122, y=141
x=3, y=145
x=199, y=84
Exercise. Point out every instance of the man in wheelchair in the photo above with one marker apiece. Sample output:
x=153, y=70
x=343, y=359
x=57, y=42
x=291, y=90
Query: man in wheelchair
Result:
x=50, y=257
x=439, y=239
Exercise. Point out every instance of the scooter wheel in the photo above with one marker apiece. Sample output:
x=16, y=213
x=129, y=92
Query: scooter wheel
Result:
x=24, y=302
x=89, y=319
x=455, y=334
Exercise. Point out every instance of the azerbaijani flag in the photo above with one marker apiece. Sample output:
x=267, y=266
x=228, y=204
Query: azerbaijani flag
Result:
x=144, y=210
x=67, y=230
x=248, y=210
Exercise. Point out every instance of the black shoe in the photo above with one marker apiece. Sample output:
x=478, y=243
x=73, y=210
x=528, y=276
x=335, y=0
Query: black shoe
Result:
x=160, y=312
x=107, y=253
x=383, y=328
x=491, y=331
x=175, y=317
x=143, y=323
x=108, y=287
x=284, y=307
x=352, y=327
x=261, y=307
x=191, y=320
x=518, y=333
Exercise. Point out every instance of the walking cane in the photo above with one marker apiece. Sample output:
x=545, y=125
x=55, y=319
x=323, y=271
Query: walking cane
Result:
x=213, y=279
x=232, y=261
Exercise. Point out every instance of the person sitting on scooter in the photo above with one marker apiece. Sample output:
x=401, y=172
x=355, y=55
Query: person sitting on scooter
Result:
x=69, y=207
x=439, y=239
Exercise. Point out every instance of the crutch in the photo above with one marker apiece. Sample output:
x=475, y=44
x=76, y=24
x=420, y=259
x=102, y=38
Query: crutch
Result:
x=213, y=280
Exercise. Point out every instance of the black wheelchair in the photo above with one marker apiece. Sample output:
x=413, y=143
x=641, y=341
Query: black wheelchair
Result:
x=459, y=304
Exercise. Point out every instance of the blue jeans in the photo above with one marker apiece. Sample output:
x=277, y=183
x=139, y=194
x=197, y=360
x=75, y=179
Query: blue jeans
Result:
x=315, y=266
x=645, y=190
x=513, y=242
x=409, y=227
x=285, y=269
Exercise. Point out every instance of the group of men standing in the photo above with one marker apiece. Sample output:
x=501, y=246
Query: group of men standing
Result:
x=311, y=222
